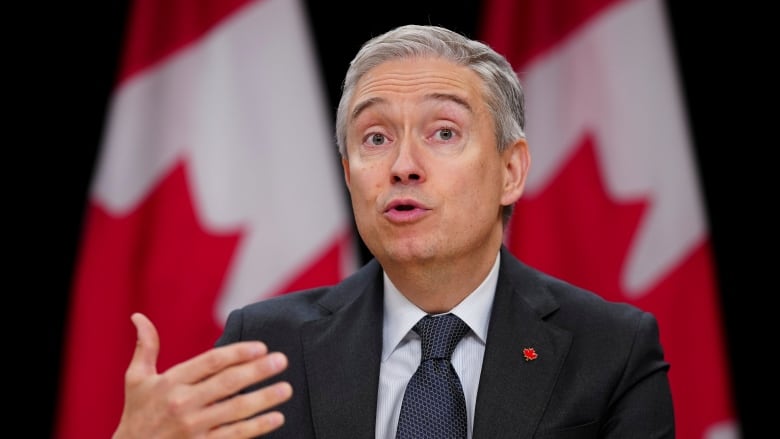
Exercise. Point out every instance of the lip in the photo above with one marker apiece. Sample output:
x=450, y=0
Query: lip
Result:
x=404, y=210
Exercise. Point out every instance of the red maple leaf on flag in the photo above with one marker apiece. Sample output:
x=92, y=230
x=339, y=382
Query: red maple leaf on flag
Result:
x=157, y=259
x=574, y=214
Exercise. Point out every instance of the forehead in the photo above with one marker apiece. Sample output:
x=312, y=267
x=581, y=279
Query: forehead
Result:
x=416, y=78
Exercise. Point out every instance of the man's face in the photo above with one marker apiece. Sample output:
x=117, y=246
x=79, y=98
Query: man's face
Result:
x=425, y=177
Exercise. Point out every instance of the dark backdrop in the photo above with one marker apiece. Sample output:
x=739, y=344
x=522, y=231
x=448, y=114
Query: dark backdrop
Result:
x=70, y=59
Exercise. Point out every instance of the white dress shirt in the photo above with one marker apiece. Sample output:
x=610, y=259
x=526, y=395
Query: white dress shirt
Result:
x=401, y=349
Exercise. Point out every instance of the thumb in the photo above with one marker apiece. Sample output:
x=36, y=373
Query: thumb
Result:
x=147, y=347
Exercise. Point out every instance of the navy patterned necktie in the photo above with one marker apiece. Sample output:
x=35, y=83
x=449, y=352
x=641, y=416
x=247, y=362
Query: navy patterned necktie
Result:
x=433, y=404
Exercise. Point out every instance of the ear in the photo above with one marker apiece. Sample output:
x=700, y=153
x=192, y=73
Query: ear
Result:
x=517, y=161
x=345, y=166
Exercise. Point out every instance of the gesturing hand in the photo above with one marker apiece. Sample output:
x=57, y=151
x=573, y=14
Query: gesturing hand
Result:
x=194, y=399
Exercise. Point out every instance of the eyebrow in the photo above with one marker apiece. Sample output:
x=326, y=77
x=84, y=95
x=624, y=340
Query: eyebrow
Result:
x=363, y=105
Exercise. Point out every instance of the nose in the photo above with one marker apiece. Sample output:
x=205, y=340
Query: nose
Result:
x=407, y=166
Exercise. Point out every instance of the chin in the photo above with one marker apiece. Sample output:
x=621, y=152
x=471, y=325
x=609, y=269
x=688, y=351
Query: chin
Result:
x=409, y=251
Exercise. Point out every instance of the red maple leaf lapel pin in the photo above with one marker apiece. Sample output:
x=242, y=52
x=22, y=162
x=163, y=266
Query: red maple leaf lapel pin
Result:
x=529, y=354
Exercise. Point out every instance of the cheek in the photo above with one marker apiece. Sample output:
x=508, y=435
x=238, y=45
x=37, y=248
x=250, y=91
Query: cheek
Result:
x=365, y=183
x=482, y=187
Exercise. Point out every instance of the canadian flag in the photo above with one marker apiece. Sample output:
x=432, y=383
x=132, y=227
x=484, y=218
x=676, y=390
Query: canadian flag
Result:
x=612, y=200
x=217, y=184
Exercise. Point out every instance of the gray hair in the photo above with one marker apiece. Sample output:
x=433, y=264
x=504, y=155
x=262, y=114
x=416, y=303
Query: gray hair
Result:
x=503, y=92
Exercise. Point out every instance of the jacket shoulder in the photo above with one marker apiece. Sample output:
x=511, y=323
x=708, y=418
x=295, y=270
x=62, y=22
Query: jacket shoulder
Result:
x=286, y=313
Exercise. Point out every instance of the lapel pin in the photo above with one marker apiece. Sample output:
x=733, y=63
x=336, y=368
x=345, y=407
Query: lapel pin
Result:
x=529, y=354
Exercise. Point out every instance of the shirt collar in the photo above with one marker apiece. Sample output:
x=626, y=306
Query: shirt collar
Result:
x=400, y=315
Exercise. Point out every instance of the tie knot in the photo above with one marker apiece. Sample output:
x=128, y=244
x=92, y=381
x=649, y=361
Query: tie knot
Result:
x=440, y=334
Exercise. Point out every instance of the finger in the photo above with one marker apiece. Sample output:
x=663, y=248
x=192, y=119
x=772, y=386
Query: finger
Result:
x=245, y=405
x=216, y=401
x=242, y=415
x=147, y=347
x=239, y=377
x=216, y=360
x=249, y=428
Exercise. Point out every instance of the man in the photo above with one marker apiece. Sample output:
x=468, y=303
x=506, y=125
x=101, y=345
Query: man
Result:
x=430, y=130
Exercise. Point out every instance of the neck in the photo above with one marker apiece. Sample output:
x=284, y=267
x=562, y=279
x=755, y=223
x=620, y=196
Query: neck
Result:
x=438, y=286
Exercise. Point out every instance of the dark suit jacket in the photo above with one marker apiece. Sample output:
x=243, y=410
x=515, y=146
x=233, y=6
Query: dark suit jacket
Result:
x=600, y=370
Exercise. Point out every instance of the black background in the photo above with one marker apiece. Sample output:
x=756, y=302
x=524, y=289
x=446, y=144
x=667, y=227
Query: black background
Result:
x=64, y=73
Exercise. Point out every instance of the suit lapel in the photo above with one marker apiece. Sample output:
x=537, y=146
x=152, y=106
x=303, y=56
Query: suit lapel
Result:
x=342, y=352
x=513, y=392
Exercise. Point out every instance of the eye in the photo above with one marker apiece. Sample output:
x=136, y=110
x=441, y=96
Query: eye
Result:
x=376, y=139
x=445, y=135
